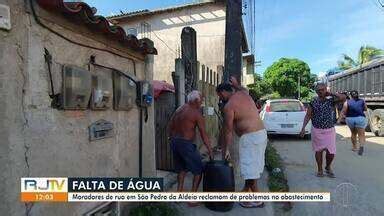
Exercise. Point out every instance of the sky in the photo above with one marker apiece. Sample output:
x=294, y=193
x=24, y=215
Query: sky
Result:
x=317, y=32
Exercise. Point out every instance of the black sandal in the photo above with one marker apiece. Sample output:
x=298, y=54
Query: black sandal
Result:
x=361, y=150
x=330, y=174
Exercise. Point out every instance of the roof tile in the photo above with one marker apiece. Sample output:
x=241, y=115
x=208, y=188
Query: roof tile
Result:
x=81, y=12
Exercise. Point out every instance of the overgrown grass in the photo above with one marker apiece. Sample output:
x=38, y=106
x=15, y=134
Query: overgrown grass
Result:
x=154, y=209
x=277, y=181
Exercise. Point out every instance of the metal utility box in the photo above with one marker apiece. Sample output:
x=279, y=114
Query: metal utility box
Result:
x=5, y=17
x=101, y=98
x=144, y=94
x=100, y=129
x=76, y=87
x=124, y=92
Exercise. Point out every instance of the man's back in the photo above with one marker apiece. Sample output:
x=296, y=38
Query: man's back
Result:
x=246, y=115
x=185, y=122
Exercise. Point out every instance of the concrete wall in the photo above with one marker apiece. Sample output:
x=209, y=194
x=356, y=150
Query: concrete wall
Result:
x=207, y=20
x=247, y=78
x=37, y=140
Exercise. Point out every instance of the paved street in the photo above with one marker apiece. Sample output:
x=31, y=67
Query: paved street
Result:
x=359, y=184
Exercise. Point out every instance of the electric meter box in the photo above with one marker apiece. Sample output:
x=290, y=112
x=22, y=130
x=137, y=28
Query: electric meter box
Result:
x=124, y=92
x=144, y=94
x=5, y=17
x=102, y=88
x=76, y=88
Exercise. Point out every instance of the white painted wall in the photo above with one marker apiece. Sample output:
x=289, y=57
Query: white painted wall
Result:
x=246, y=79
x=207, y=20
x=38, y=140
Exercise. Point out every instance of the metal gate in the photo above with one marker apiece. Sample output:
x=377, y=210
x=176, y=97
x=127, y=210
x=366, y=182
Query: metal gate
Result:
x=164, y=108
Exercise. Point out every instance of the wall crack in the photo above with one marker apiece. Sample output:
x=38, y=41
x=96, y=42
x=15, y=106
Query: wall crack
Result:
x=19, y=51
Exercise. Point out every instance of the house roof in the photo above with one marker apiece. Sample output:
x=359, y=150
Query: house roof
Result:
x=146, y=12
x=161, y=10
x=82, y=13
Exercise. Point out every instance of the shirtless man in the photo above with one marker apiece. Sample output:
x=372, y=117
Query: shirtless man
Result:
x=182, y=134
x=241, y=115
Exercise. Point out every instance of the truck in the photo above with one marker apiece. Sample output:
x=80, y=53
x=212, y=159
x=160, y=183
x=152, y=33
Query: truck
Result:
x=368, y=80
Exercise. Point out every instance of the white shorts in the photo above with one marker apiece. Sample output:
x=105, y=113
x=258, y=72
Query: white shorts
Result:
x=252, y=154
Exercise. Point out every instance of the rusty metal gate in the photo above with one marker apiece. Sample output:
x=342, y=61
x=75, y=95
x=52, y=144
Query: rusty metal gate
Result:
x=164, y=107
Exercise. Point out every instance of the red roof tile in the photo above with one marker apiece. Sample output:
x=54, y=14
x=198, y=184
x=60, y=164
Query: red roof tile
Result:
x=81, y=12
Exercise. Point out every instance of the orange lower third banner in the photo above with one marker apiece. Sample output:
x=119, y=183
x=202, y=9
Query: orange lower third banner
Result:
x=44, y=196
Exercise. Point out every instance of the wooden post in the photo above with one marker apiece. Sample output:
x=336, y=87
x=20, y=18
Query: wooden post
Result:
x=189, y=56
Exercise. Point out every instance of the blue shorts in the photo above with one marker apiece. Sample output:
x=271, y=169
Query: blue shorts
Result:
x=356, y=122
x=186, y=157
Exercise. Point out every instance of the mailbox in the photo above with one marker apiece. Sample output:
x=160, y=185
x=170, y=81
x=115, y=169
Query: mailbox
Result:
x=76, y=87
x=100, y=129
x=124, y=92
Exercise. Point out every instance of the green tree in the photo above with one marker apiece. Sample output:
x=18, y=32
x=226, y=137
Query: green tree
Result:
x=282, y=76
x=366, y=54
x=259, y=88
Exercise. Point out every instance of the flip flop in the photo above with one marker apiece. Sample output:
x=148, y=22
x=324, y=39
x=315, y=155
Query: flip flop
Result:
x=252, y=204
x=361, y=150
x=355, y=150
x=330, y=174
x=320, y=174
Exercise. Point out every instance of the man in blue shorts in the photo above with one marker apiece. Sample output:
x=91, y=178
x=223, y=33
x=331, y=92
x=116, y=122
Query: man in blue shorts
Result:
x=182, y=134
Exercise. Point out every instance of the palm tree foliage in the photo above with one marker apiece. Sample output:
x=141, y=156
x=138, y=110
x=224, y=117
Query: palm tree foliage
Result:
x=366, y=54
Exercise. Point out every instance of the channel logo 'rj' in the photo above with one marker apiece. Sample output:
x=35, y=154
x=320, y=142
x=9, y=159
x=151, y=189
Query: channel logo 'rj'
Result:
x=44, y=184
x=50, y=184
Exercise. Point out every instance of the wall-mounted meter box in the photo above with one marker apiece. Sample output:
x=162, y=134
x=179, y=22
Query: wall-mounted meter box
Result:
x=5, y=17
x=76, y=87
x=101, y=98
x=124, y=92
x=144, y=94
x=100, y=129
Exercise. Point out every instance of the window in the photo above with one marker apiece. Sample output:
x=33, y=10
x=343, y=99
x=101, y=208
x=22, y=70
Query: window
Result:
x=131, y=31
x=286, y=106
x=250, y=68
x=145, y=30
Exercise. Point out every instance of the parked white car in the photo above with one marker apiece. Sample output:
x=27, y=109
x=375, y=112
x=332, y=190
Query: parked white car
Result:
x=284, y=116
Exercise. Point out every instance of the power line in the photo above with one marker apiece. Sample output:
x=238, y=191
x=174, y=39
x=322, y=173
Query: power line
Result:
x=381, y=3
x=164, y=43
x=378, y=4
x=254, y=26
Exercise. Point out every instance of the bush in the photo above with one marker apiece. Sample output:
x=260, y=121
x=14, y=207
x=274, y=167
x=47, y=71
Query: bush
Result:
x=277, y=181
x=274, y=95
x=272, y=158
